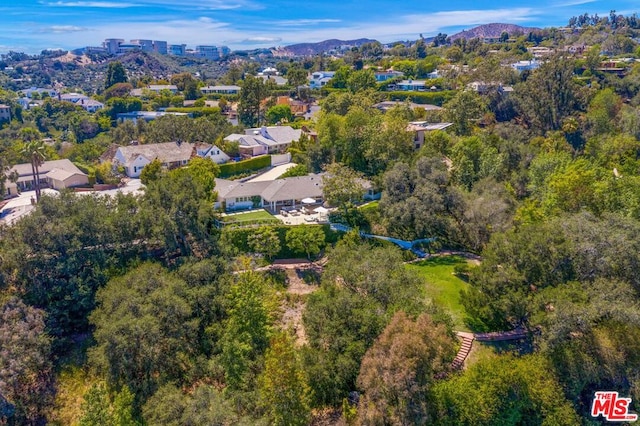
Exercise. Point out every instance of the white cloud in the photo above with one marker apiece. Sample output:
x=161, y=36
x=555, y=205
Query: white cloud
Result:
x=303, y=22
x=207, y=30
x=63, y=29
x=407, y=26
x=573, y=3
x=202, y=4
x=91, y=4
x=255, y=40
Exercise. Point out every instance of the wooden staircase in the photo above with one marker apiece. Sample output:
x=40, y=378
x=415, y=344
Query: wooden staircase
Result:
x=467, y=342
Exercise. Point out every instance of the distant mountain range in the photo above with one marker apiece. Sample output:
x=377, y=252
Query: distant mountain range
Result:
x=492, y=31
x=309, y=49
x=481, y=31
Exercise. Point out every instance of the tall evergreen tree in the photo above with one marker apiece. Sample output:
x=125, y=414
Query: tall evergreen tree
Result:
x=251, y=95
x=115, y=74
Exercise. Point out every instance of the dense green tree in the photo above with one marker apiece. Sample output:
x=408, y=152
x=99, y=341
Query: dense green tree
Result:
x=389, y=142
x=279, y=114
x=489, y=208
x=115, y=74
x=145, y=332
x=45, y=254
x=252, y=93
x=602, y=112
x=362, y=288
x=25, y=362
x=361, y=80
x=247, y=330
x=398, y=370
x=265, y=241
x=420, y=202
x=151, y=172
x=170, y=406
x=341, y=185
x=100, y=408
x=181, y=205
x=340, y=78
x=117, y=105
x=296, y=76
x=504, y=390
x=521, y=262
x=284, y=392
x=465, y=109
x=306, y=239
x=118, y=90
x=549, y=95
x=589, y=332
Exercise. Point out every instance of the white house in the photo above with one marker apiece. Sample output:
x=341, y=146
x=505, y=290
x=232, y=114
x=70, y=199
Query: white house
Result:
x=157, y=88
x=72, y=97
x=526, y=65
x=211, y=152
x=90, y=105
x=221, y=90
x=146, y=115
x=411, y=85
x=382, y=76
x=134, y=157
x=28, y=93
x=273, y=194
x=170, y=154
x=320, y=78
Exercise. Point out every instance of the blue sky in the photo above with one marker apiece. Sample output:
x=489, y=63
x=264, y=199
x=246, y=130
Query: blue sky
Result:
x=33, y=25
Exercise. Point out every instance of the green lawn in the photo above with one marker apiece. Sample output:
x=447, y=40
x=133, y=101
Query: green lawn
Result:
x=254, y=215
x=442, y=286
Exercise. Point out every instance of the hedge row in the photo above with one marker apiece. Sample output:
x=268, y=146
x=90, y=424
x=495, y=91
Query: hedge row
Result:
x=252, y=164
x=196, y=111
x=432, y=98
x=238, y=238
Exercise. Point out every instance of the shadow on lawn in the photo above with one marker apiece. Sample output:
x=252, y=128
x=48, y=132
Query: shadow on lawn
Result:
x=442, y=261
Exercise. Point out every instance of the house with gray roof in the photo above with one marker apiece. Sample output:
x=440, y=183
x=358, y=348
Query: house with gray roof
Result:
x=134, y=157
x=278, y=194
x=56, y=174
x=274, y=194
x=171, y=154
x=265, y=140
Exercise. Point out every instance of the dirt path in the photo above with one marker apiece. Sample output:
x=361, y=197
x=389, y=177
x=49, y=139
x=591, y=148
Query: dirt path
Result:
x=297, y=289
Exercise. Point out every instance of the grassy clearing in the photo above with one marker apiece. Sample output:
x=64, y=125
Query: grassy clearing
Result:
x=252, y=216
x=442, y=286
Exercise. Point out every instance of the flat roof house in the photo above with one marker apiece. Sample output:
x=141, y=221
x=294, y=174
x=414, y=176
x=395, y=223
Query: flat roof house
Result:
x=221, y=90
x=419, y=128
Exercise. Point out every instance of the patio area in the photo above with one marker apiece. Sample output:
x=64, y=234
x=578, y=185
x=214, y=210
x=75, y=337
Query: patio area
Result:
x=304, y=214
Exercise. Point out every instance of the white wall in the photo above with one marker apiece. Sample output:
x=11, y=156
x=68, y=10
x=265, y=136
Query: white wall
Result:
x=280, y=159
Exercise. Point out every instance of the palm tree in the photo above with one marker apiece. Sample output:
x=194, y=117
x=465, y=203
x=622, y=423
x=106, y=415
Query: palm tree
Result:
x=33, y=149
